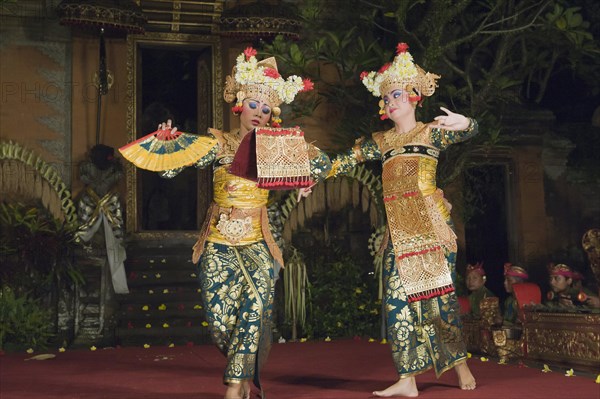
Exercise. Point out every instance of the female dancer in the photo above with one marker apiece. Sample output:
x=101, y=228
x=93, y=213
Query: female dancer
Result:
x=236, y=254
x=422, y=311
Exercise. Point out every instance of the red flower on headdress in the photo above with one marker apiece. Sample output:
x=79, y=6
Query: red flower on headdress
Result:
x=308, y=85
x=384, y=68
x=272, y=73
x=401, y=48
x=249, y=52
x=363, y=75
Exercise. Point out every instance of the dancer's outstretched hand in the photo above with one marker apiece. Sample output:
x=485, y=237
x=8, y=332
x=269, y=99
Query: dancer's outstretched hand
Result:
x=452, y=121
x=304, y=192
x=167, y=126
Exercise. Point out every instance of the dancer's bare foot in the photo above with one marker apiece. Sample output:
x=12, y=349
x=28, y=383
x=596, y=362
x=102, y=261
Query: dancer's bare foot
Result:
x=466, y=380
x=234, y=391
x=403, y=387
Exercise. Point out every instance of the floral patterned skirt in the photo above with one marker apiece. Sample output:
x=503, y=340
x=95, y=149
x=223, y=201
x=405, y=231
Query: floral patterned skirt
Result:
x=422, y=334
x=237, y=289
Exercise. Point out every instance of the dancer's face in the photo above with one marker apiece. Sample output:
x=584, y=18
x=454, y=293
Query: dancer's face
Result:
x=396, y=104
x=255, y=113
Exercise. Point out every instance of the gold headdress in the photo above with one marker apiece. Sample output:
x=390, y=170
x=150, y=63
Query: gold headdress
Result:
x=261, y=80
x=402, y=72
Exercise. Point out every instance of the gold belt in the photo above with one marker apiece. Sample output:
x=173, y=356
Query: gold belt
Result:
x=234, y=223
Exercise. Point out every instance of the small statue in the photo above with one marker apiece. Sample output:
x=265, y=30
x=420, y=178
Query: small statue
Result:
x=99, y=204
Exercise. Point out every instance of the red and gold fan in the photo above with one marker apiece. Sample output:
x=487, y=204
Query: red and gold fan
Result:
x=167, y=149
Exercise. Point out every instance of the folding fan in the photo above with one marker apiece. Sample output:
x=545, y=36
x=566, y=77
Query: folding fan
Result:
x=162, y=150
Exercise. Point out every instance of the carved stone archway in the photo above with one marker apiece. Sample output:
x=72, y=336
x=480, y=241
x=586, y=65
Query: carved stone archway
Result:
x=25, y=176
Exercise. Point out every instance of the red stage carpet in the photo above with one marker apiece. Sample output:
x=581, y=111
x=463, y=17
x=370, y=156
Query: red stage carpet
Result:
x=317, y=370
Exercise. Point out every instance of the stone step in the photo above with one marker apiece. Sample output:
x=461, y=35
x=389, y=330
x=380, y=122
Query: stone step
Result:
x=151, y=263
x=164, y=322
x=163, y=336
x=174, y=295
x=138, y=307
x=171, y=284
x=161, y=276
x=170, y=246
x=140, y=249
x=167, y=314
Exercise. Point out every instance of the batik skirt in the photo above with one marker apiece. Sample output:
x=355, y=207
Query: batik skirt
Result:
x=424, y=334
x=237, y=290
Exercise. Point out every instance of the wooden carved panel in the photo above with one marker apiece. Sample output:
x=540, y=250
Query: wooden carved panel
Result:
x=564, y=337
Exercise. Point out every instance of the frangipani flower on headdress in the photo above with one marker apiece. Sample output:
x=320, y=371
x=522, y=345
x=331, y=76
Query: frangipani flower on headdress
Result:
x=261, y=80
x=401, y=72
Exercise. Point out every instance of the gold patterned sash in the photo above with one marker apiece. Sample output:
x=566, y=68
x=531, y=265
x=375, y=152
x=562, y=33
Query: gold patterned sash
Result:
x=282, y=160
x=419, y=235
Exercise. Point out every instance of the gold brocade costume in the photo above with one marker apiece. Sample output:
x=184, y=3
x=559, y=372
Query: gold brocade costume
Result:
x=236, y=254
x=416, y=212
x=423, y=324
x=238, y=214
x=236, y=257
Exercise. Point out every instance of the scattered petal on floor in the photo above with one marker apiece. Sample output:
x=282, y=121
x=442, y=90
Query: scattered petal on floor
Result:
x=43, y=356
x=569, y=373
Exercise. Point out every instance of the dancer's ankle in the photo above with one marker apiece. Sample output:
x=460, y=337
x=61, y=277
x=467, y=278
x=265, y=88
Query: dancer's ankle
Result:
x=234, y=391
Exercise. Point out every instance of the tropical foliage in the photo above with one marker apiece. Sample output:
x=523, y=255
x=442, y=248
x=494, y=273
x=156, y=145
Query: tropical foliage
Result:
x=341, y=298
x=37, y=269
x=492, y=55
x=496, y=58
x=37, y=250
x=23, y=322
